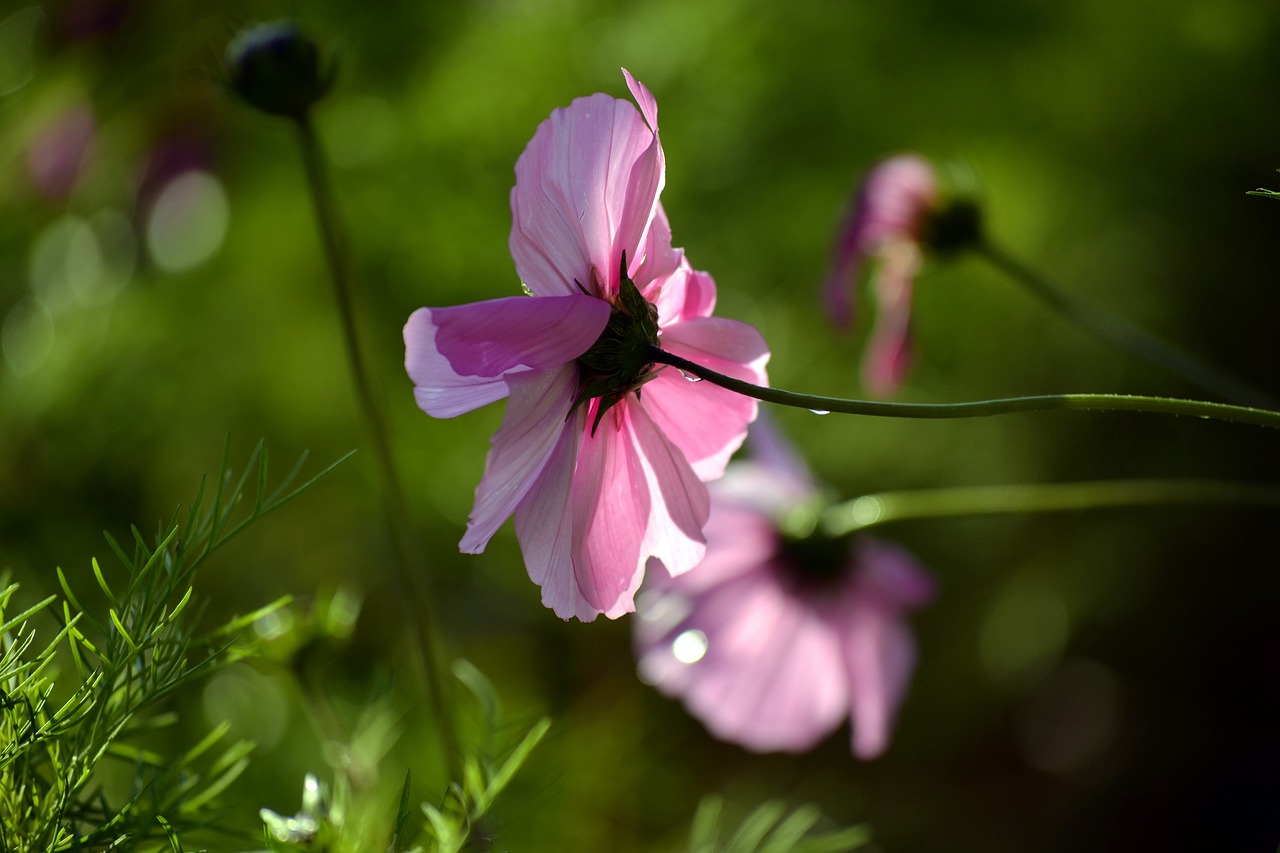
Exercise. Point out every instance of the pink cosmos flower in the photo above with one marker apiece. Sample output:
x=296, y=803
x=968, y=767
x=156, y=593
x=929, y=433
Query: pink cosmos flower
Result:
x=885, y=224
x=772, y=642
x=601, y=455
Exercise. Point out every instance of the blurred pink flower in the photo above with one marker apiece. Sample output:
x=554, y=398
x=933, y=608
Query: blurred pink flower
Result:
x=773, y=642
x=601, y=457
x=885, y=224
x=59, y=151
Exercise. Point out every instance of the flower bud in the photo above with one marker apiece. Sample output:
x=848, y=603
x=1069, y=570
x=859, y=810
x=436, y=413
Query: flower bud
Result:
x=954, y=226
x=276, y=69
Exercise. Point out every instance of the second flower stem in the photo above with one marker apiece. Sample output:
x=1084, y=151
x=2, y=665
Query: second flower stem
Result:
x=414, y=596
x=883, y=507
x=1124, y=336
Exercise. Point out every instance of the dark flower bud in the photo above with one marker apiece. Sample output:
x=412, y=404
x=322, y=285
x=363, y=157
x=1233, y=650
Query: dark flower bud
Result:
x=955, y=226
x=276, y=69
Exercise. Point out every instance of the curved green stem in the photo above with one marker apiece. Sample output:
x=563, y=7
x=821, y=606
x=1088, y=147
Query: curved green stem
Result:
x=414, y=596
x=884, y=507
x=1122, y=335
x=978, y=408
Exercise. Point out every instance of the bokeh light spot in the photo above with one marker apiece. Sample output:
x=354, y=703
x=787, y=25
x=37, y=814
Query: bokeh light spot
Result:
x=690, y=646
x=1072, y=718
x=188, y=221
x=252, y=703
x=866, y=510
x=1025, y=629
x=66, y=262
x=17, y=43
x=27, y=337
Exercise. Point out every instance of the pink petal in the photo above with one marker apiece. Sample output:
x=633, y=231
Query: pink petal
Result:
x=679, y=503
x=530, y=432
x=658, y=260
x=889, y=353
x=611, y=501
x=586, y=188
x=457, y=356
x=705, y=421
x=772, y=674
x=700, y=295
x=879, y=656
x=648, y=104
x=878, y=647
x=842, y=281
x=890, y=573
x=740, y=539
x=892, y=202
x=544, y=526
x=770, y=450
x=685, y=294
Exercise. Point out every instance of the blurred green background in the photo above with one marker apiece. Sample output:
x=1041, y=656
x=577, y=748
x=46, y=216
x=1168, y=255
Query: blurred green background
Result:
x=1094, y=681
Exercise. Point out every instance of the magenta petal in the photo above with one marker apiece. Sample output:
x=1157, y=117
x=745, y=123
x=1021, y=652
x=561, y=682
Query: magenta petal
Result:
x=679, y=503
x=490, y=338
x=531, y=430
x=456, y=356
x=544, y=525
x=705, y=421
x=610, y=499
x=586, y=187
x=438, y=388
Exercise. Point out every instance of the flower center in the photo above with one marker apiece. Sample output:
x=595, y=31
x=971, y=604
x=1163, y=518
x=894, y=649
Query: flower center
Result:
x=619, y=362
x=814, y=562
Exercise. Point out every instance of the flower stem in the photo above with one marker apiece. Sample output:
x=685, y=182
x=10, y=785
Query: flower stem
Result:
x=883, y=507
x=1132, y=339
x=414, y=595
x=977, y=408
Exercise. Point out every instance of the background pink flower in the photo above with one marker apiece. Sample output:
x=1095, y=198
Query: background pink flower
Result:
x=599, y=484
x=772, y=644
x=885, y=224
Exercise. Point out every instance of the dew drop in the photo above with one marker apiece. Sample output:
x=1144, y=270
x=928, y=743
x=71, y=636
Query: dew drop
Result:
x=820, y=411
x=690, y=377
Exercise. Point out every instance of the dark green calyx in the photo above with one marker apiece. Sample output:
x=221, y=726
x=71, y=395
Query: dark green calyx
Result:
x=619, y=362
x=274, y=68
x=814, y=562
x=954, y=227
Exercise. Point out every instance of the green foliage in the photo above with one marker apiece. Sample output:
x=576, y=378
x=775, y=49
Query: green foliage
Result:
x=80, y=715
x=769, y=829
x=356, y=818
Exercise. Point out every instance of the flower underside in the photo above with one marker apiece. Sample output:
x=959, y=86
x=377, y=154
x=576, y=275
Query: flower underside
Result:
x=619, y=362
